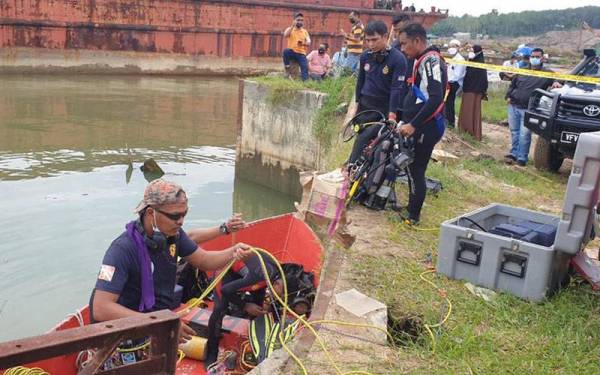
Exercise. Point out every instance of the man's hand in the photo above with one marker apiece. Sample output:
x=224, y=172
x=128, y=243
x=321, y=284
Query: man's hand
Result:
x=185, y=333
x=254, y=310
x=407, y=130
x=241, y=251
x=235, y=223
x=557, y=85
x=392, y=123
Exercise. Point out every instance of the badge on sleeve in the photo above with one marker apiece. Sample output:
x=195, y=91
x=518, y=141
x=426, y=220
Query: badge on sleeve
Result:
x=106, y=273
x=367, y=67
x=386, y=69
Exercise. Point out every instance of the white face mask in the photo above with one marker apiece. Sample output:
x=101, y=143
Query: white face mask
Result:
x=154, y=224
x=472, y=55
x=453, y=51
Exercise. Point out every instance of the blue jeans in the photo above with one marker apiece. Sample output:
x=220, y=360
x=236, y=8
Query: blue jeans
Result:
x=289, y=55
x=519, y=134
x=352, y=62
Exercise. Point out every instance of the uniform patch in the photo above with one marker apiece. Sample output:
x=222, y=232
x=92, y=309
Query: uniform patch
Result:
x=386, y=69
x=172, y=250
x=106, y=273
x=433, y=69
x=401, y=78
x=367, y=67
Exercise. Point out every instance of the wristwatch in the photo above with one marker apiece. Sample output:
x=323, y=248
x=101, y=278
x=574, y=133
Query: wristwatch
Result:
x=223, y=228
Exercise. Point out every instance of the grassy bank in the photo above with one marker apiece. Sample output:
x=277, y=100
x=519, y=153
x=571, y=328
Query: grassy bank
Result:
x=326, y=124
x=506, y=336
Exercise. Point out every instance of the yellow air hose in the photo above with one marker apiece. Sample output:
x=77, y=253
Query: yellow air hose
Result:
x=196, y=349
x=448, y=313
x=20, y=370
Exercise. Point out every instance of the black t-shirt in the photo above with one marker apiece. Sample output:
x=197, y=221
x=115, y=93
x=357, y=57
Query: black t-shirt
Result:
x=521, y=88
x=120, y=271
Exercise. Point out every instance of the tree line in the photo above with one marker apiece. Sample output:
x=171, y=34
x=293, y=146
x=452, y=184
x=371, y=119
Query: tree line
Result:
x=527, y=23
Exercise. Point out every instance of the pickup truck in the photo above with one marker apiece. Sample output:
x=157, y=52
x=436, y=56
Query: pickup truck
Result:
x=560, y=115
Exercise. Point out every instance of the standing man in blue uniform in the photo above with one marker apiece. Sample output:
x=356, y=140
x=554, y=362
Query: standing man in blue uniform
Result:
x=380, y=83
x=423, y=113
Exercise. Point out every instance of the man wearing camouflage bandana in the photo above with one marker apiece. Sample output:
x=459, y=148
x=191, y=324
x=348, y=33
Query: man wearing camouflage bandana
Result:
x=138, y=272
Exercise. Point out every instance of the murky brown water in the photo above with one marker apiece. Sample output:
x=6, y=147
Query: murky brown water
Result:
x=65, y=147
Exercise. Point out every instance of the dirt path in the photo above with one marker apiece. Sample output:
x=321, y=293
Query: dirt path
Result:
x=358, y=348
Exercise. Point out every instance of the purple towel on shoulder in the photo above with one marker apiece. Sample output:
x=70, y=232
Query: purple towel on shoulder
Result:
x=147, y=282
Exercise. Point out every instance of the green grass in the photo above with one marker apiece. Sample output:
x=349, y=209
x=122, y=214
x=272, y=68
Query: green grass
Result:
x=506, y=336
x=326, y=125
x=494, y=110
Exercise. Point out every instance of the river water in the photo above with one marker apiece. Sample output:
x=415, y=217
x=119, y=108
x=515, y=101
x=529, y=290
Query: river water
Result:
x=70, y=152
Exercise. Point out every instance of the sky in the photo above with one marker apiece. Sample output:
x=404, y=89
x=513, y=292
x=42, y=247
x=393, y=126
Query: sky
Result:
x=460, y=7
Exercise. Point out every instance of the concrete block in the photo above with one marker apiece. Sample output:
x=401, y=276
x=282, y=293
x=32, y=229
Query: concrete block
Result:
x=357, y=303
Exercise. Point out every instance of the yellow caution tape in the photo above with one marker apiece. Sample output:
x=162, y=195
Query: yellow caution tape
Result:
x=528, y=72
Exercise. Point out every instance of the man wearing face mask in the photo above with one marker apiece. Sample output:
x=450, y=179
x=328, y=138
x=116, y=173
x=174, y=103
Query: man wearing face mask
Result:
x=319, y=63
x=456, y=76
x=380, y=84
x=138, y=272
x=354, y=41
x=298, y=42
x=517, y=96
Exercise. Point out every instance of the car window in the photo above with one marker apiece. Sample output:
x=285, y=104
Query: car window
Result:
x=592, y=69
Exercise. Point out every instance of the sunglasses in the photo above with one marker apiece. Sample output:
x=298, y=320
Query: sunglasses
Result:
x=173, y=217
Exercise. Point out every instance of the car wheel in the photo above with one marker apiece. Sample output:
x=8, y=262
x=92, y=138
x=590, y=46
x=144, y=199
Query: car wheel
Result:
x=546, y=157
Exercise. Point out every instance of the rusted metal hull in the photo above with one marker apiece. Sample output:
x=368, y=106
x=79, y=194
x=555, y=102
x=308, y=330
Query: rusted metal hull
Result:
x=225, y=28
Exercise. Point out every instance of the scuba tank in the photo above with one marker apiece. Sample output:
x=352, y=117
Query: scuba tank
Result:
x=380, y=198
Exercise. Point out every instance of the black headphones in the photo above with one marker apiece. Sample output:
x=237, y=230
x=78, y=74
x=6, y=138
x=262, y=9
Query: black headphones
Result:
x=157, y=242
x=379, y=56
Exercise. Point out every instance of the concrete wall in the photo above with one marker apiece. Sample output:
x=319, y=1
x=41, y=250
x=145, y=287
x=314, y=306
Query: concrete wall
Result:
x=23, y=60
x=279, y=137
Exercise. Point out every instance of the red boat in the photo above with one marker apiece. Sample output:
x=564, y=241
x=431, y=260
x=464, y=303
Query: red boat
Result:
x=289, y=239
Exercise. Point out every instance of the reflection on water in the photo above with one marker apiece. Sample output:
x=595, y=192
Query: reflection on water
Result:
x=65, y=148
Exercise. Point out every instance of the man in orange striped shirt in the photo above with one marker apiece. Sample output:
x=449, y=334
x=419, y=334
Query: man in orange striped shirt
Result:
x=354, y=40
x=298, y=42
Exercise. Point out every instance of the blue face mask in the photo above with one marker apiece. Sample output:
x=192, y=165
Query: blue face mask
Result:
x=523, y=64
x=536, y=61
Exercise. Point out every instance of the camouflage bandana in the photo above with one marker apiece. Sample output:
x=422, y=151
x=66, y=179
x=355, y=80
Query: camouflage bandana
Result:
x=159, y=192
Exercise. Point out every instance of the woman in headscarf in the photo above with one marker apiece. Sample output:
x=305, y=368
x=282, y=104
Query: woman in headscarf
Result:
x=474, y=90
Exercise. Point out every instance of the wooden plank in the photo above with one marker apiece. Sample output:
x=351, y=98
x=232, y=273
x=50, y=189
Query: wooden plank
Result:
x=163, y=325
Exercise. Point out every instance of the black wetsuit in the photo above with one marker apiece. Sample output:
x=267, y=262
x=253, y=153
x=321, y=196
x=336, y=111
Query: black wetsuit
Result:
x=242, y=278
x=431, y=78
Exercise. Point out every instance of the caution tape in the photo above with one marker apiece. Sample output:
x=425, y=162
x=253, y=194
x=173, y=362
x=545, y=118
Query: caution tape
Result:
x=528, y=72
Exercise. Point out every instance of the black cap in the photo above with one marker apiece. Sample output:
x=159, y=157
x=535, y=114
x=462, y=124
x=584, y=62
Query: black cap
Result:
x=297, y=14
